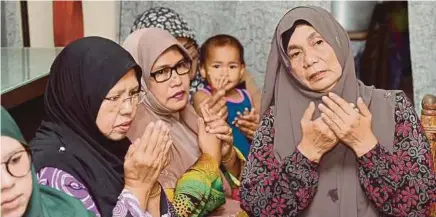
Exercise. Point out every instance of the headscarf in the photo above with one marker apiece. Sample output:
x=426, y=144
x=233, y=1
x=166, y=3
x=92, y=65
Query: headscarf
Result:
x=164, y=18
x=290, y=97
x=169, y=20
x=69, y=139
x=44, y=201
x=146, y=45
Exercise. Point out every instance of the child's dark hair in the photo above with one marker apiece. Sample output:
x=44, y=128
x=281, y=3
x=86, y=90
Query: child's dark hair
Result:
x=220, y=41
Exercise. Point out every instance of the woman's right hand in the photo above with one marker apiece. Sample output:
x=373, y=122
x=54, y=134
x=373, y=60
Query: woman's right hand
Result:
x=216, y=104
x=208, y=143
x=146, y=158
x=317, y=137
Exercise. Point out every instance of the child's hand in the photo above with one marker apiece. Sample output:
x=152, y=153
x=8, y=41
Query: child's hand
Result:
x=247, y=122
x=216, y=104
x=222, y=82
x=219, y=127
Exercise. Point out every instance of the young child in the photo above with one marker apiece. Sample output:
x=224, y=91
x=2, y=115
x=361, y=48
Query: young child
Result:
x=222, y=64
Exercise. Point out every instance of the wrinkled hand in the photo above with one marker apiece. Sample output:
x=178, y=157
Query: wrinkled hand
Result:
x=317, y=137
x=350, y=126
x=147, y=156
x=248, y=122
x=218, y=126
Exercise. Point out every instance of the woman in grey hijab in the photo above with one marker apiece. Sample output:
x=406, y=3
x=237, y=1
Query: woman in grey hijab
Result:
x=324, y=156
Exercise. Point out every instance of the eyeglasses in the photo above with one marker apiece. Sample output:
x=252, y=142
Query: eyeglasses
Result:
x=19, y=164
x=165, y=74
x=134, y=99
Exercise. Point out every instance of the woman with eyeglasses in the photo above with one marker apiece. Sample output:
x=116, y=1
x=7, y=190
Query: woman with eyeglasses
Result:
x=81, y=147
x=171, y=21
x=192, y=180
x=21, y=195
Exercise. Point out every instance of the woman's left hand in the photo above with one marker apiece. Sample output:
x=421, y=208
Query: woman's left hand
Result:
x=352, y=127
x=247, y=122
x=218, y=126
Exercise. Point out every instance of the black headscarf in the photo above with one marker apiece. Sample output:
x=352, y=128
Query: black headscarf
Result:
x=69, y=139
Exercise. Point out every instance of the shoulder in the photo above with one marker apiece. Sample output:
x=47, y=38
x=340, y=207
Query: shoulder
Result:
x=402, y=101
x=60, y=179
x=267, y=117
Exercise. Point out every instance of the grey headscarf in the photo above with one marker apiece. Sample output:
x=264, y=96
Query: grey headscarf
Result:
x=290, y=97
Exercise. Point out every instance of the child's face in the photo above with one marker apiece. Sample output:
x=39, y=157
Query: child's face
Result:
x=223, y=68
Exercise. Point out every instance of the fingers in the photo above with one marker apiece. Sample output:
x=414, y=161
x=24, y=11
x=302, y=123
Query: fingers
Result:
x=247, y=131
x=205, y=113
x=213, y=118
x=334, y=107
x=247, y=112
x=251, y=116
x=215, y=98
x=219, y=130
x=332, y=115
x=228, y=139
x=363, y=108
x=308, y=113
x=145, y=137
x=217, y=123
x=247, y=124
x=222, y=82
x=341, y=103
x=217, y=106
x=223, y=112
x=162, y=134
x=132, y=148
x=201, y=126
x=166, y=153
x=332, y=125
x=235, y=121
x=154, y=137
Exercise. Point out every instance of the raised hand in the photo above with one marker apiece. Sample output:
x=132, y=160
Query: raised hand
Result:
x=317, y=137
x=351, y=126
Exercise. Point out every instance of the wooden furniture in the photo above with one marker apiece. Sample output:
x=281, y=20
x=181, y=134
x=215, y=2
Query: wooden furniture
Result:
x=428, y=120
x=358, y=36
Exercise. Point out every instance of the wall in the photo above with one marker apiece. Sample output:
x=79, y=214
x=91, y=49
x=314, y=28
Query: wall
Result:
x=40, y=23
x=100, y=18
x=11, y=35
x=422, y=27
x=253, y=23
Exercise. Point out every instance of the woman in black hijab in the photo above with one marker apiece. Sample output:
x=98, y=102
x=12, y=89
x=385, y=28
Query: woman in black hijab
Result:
x=81, y=147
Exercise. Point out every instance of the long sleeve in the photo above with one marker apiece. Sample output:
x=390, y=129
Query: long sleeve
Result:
x=270, y=188
x=63, y=181
x=400, y=183
x=200, y=190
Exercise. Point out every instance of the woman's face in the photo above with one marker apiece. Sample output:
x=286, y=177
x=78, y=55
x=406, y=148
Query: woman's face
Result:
x=192, y=49
x=16, y=179
x=313, y=60
x=119, y=107
x=172, y=93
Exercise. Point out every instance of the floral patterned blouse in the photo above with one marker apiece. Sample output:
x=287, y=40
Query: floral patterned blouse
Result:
x=398, y=184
